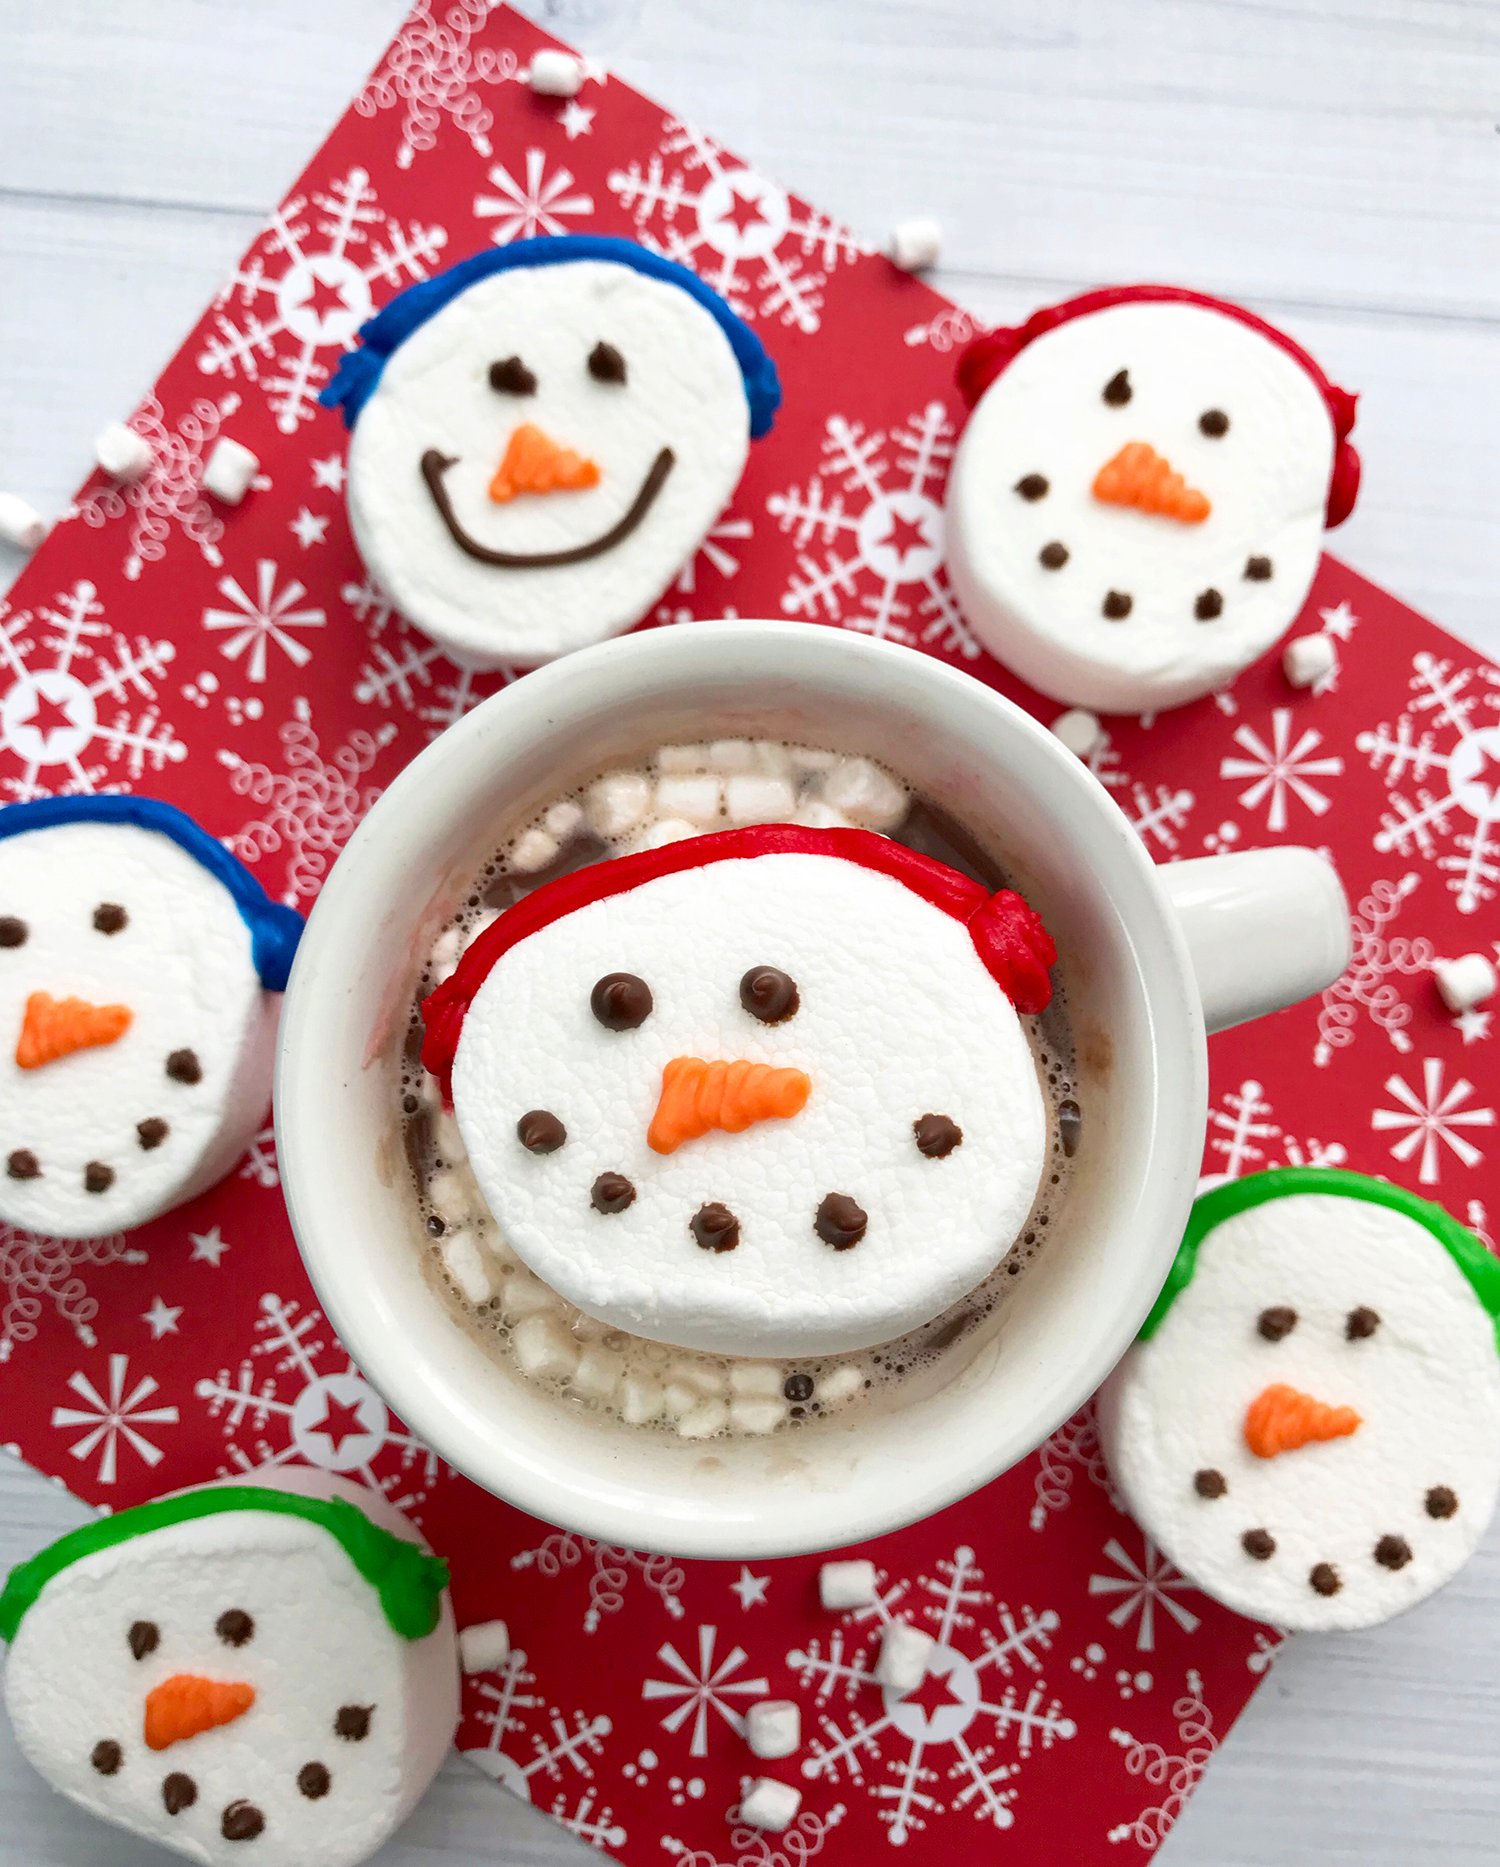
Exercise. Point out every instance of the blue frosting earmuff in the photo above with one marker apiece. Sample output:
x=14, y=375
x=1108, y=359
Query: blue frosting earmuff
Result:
x=274, y=928
x=358, y=373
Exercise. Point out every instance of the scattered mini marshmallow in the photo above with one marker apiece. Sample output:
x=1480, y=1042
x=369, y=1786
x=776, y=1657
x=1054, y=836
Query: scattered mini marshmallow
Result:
x=904, y=1653
x=667, y=830
x=866, y=1207
x=769, y=1805
x=1308, y=659
x=756, y=797
x=563, y=819
x=773, y=1728
x=230, y=470
x=816, y=815
x=483, y=1646
x=533, y=849
x=756, y=1380
x=640, y=1399
x=21, y=525
x=679, y=758
x=598, y=1373
x=840, y=1384
x=268, y=1660
x=141, y=972
x=522, y=1295
x=845, y=1585
x=730, y=755
x=1466, y=982
x=555, y=74
x=123, y=454
x=1139, y=496
x=516, y=506
x=1309, y=1424
x=916, y=244
x=616, y=803
x=1079, y=730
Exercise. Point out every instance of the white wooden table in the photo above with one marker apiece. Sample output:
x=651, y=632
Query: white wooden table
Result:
x=1339, y=168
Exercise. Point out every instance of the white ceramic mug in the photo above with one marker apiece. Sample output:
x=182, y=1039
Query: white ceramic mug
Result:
x=1152, y=958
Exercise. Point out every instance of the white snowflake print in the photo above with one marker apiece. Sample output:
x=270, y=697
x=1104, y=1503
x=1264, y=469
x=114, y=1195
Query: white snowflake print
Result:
x=1243, y=1137
x=1157, y=813
x=701, y=1686
x=753, y=1847
x=304, y=1400
x=119, y=1413
x=720, y=552
x=311, y=808
x=1139, y=1588
x=260, y=1164
x=938, y=1747
x=81, y=713
x=1172, y=1779
x=407, y=671
x=1432, y=1118
x=612, y=1568
x=36, y=1271
x=307, y=286
x=433, y=72
x=541, y=203
x=269, y=616
x=170, y=492
x=1377, y=958
x=1073, y=1447
x=1281, y=768
x=532, y=1745
x=868, y=531
x=769, y=257
x=1441, y=765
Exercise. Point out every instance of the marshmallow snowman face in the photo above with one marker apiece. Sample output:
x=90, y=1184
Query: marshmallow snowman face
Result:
x=543, y=455
x=769, y=1106
x=1312, y=1431
x=1137, y=504
x=230, y=1688
x=135, y=1035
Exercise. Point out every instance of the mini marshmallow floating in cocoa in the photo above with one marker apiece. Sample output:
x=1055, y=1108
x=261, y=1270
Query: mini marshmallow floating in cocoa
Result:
x=764, y=1092
x=1139, y=498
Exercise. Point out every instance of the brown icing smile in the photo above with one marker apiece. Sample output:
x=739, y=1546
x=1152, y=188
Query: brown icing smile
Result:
x=435, y=466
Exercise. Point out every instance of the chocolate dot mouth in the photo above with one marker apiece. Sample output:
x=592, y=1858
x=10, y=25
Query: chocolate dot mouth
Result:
x=936, y=1136
x=1209, y=1483
x=611, y=1192
x=22, y=1164
x=1324, y=1579
x=1116, y=606
x=715, y=1227
x=840, y=1221
x=178, y=1792
x=435, y=465
x=241, y=1821
x=1393, y=1552
x=106, y=1756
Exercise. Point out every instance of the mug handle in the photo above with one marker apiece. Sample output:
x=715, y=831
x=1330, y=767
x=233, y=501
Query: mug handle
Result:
x=1265, y=928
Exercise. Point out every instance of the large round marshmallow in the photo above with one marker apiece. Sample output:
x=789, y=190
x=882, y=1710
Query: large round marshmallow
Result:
x=124, y=920
x=1357, y=1296
x=343, y=1714
x=666, y=424
x=1021, y=498
x=896, y=1018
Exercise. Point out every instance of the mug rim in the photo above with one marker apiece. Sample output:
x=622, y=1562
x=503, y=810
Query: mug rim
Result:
x=1167, y=1177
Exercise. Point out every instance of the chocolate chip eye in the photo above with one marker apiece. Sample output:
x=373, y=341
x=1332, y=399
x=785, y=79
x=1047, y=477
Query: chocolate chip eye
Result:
x=314, y=1781
x=109, y=917
x=234, y=1627
x=1032, y=487
x=540, y=1132
x=606, y=364
x=12, y=931
x=621, y=1001
x=1117, y=391
x=1214, y=423
x=353, y=1722
x=1278, y=1321
x=144, y=1637
x=1360, y=1323
x=769, y=994
x=183, y=1067
x=512, y=377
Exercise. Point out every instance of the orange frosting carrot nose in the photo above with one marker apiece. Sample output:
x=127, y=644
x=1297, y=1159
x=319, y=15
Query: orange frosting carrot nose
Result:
x=185, y=1704
x=56, y=1027
x=1138, y=476
x=535, y=463
x=1281, y=1418
x=697, y=1097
